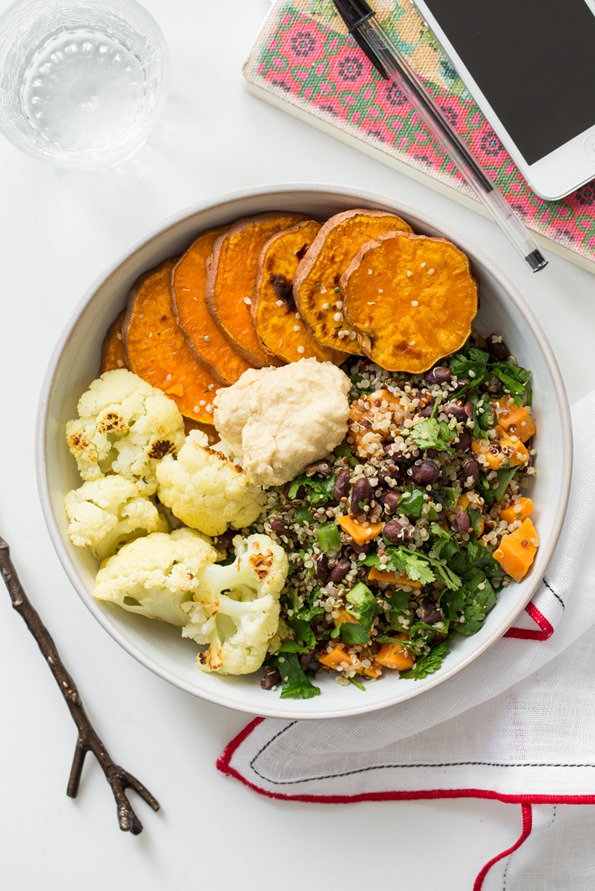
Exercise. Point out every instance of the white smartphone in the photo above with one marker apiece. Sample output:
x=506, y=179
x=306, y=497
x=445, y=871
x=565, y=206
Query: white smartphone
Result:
x=530, y=66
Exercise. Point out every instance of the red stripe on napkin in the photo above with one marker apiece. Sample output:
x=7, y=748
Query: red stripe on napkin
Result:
x=525, y=833
x=546, y=628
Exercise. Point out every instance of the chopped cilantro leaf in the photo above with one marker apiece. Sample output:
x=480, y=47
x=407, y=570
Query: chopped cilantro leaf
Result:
x=473, y=365
x=433, y=434
x=303, y=516
x=412, y=502
x=513, y=377
x=353, y=633
x=398, y=599
x=295, y=683
x=412, y=564
x=427, y=664
x=319, y=490
x=343, y=451
x=303, y=633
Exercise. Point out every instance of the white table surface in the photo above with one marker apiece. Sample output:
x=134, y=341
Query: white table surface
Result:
x=58, y=230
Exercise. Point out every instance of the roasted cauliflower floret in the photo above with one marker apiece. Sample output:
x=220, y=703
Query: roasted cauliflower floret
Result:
x=156, y=575
x=124, y=426
x=206, y=490
x=106, y=513
x=238, y=624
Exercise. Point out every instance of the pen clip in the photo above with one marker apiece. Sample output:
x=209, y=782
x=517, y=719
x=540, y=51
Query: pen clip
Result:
x=354, y=13
x=369, y=51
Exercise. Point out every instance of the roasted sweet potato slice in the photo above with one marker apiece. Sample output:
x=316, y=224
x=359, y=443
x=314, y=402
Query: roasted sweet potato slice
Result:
x=317, y=290
x=157, y=351
x=411, y=299
x=274, y=313
x=113, y=354
x=209, y=345
x=231, y=278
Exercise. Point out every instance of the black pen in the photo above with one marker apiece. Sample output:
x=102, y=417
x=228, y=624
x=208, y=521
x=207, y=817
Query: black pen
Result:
x=362, y=24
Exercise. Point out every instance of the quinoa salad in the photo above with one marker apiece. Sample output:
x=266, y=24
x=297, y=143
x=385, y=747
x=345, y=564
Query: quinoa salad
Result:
x=397, y=540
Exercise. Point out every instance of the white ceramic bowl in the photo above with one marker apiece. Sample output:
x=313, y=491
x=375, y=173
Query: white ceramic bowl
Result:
x=76, y=362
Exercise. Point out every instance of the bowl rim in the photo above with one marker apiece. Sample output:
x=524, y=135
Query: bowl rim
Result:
x=272, y=190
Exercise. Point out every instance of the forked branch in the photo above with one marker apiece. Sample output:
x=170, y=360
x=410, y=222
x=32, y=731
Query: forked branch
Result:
x=88, y=740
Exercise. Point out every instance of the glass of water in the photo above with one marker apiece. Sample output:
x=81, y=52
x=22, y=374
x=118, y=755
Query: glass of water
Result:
x=82, y=82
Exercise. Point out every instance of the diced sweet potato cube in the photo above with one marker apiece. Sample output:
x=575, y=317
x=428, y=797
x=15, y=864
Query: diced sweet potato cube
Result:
x=392, y=578
x=359, y=532
x=518, y=510
x=505, y=451
x=362, y=414
x=394, y=655
x=517, y=550
x=371, y=671
x=515, y=419
x=336, y=659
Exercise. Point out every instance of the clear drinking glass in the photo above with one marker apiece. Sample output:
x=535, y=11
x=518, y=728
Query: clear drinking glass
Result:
x=82, y=82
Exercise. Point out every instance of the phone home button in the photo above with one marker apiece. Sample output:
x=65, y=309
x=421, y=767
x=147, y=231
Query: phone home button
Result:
x=589, y=146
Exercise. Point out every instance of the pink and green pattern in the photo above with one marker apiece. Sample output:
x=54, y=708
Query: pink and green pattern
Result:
x=304, y=56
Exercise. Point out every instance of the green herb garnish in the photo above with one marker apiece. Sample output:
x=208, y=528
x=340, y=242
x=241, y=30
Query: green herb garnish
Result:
x=433, y=434
x=427, y=664
x=295, y=682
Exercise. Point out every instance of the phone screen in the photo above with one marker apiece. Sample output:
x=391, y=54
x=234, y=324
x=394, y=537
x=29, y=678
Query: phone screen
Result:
x=534, y=61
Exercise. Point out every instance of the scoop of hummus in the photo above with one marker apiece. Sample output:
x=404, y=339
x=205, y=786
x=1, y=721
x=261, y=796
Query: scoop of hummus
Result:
x=278, y=420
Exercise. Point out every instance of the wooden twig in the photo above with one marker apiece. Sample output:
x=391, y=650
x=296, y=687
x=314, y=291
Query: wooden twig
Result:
x=88, y=740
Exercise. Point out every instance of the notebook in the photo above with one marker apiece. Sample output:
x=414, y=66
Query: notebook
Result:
x=305, y=62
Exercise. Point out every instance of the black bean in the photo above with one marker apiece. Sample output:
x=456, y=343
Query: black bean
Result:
x=470, y=470
x=440, y=374
x=278, y=526
x=455, y=410
x=364, y=548
x=463, y=443
x=271, y=678
x=322, y=569
x=463, y=522
x=426, y=411
x=361, y=494
x=429, y=612
x=497, y=348
x=340, y=570
x=394, y=532
x=424, y=472
x=469, y=410
x=395, y=455
x=389, y=473
x=225, y=540
x=322, y=467
x=462, y=382
x=341, y=489
x=305, y=659
x=390, y=501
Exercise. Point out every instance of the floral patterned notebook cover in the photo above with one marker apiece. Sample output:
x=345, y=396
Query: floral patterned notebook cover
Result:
x=304, y=60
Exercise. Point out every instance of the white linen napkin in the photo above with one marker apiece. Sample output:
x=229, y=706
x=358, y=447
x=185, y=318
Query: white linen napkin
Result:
x=518, y=725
